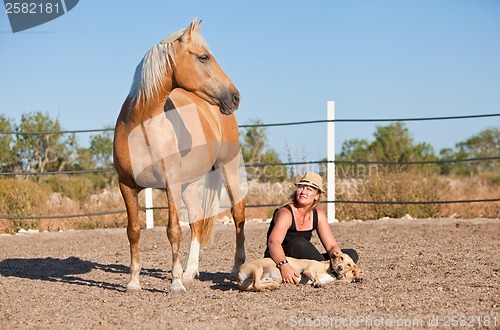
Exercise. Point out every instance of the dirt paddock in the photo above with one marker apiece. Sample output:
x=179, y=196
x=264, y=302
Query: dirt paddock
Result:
x=419, y=274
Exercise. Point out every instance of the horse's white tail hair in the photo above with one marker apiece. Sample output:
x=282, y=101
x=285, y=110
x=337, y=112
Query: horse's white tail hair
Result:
x=211, y=201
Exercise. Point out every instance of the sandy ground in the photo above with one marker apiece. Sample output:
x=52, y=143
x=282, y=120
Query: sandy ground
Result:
x=419, y=274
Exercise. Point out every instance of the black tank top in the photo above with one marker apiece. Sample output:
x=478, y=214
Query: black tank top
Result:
x=292, y=232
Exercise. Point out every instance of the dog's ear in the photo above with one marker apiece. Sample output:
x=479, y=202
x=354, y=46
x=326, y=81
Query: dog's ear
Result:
x=355, y=270
x=355, y=273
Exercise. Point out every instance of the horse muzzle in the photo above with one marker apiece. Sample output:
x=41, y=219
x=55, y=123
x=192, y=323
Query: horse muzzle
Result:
x=229, y=104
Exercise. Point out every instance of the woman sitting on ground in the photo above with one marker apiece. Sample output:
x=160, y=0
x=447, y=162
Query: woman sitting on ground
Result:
x=291, y=228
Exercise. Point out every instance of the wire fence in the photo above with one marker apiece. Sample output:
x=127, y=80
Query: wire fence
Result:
x=318, y=162
x=319, y=121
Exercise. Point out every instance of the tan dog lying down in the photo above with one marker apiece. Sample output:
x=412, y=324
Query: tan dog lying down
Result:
x=263, y=274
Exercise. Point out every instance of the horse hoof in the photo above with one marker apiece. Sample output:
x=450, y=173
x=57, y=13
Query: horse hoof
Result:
x=189, y=276
x=177, y=289
x=133, y=288
x=235, y=269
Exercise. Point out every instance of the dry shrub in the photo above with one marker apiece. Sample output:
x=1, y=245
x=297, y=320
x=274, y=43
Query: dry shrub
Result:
x=482, y=186
x=266, y=193
x=75, y=187
x=395, y=184
x=94, y=222
x=21, y=197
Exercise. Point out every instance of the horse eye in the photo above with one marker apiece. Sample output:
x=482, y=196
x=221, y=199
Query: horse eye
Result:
x=203, y=58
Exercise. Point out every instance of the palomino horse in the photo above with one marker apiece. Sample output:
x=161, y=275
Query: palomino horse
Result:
x=155, y=145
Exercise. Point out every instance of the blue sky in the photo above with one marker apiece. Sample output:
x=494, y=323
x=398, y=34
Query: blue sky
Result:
x=375, y=59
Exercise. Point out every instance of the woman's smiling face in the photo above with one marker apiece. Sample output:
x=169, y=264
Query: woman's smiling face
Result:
x=306, y=194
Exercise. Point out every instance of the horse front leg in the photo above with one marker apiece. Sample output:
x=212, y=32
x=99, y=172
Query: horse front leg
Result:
x=134, y=234
x=174, y=233
x=238, y=212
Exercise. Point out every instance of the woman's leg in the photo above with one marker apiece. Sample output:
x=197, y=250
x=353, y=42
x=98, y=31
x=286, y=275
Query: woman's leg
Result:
x=301, y=248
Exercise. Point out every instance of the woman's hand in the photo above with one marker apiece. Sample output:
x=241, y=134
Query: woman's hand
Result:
x=289, y=275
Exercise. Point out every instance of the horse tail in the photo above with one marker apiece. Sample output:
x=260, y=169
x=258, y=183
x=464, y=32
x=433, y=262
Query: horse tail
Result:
x=211, y=199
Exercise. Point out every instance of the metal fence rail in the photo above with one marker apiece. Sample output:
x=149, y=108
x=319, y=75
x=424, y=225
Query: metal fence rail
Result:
x=495, y=158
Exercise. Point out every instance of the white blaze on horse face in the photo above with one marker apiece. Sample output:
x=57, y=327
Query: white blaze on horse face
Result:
x=171, y=148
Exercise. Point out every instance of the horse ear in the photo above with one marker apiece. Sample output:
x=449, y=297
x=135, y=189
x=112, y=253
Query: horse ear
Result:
x=186, y=36
x=197, y=29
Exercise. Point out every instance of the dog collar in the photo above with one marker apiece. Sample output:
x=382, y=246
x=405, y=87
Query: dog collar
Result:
x=334, y=271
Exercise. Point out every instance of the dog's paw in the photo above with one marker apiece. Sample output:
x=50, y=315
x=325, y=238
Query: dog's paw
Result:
x=316, y=285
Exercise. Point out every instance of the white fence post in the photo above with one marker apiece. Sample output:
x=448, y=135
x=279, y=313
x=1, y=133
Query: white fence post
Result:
x=331, y=158
x=148, y=194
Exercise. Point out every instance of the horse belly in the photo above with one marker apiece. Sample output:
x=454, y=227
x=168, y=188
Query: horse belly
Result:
x=197, y=141
x=154, y=155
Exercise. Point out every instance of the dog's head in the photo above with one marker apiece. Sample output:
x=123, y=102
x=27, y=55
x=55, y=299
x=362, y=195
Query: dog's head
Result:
x=343, y=267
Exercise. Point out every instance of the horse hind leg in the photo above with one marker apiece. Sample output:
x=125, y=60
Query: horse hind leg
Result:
x=174, y=234
x=232, y=182
x=134, y=234
x=192, y=266
x=195, y=213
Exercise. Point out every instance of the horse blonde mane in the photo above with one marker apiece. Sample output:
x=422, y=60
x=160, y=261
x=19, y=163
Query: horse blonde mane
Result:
x=152, y=70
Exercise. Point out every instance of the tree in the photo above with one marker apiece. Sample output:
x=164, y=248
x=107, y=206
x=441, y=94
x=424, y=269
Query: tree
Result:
x=254, y=142
x=393, y=143
x=8, y=161
x=47, y=151
x=253, y=148
x=485, y=144
x=355, y=150
x=101, y=148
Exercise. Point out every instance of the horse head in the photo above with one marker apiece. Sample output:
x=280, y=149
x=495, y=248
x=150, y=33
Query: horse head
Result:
x=195, y=69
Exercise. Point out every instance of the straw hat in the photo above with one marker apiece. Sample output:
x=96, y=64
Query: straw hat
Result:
x=311, y=179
